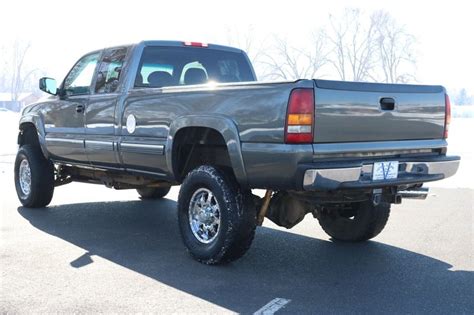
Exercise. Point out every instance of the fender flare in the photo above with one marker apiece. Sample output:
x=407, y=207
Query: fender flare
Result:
x=225, y=126
x=39, y=126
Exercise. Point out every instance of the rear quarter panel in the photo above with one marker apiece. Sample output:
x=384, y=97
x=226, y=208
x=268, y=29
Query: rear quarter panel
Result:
x=257, y=109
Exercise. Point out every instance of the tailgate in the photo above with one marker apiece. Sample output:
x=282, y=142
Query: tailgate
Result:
x=353, y=111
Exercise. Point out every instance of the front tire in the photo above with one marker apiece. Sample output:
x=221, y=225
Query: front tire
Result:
x=355, y=222
x=34, y=177
x=217, y=219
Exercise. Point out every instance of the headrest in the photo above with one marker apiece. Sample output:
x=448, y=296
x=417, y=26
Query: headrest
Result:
x=195, y=76
x=160, y=79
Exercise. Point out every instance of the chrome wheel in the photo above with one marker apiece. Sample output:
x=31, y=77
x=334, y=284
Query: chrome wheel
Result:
x=24, y=175
x=204, y=215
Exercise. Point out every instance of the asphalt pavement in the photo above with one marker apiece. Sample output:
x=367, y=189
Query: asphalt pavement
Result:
x=99, y=250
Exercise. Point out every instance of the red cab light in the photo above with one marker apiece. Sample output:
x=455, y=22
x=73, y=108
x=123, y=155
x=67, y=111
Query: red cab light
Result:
x=447, y=116
x=300, y=117
x=195, y=44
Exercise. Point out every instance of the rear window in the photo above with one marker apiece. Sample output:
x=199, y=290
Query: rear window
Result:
x=174, y=66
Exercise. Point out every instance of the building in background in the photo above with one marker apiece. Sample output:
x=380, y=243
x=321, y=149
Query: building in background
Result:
x=23, y=100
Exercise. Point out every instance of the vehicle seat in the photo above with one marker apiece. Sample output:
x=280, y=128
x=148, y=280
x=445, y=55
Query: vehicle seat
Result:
x=160, y=79
x=195, y=76
x=100, y=82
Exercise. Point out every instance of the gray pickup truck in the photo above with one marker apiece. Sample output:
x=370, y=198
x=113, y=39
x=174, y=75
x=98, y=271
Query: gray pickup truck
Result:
x=161, y=113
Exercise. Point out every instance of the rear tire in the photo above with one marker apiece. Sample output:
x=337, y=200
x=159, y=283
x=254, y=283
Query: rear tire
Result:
x=153, y=193
x=34, y=177
x=357, y=222
x=217, y=219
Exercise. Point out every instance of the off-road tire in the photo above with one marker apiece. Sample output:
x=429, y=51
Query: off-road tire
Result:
x=42, y=177
x=368, y=221
x=237, y=216
x=153, y=192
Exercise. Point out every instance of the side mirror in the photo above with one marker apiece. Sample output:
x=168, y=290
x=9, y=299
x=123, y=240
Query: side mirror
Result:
x=48, y=85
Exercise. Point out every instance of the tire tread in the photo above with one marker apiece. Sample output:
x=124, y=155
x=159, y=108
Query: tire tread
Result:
x=42, y=177
x=375, y=220
x=242, y=217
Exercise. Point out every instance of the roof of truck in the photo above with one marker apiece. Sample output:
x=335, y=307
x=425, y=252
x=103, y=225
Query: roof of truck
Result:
x=176, y=43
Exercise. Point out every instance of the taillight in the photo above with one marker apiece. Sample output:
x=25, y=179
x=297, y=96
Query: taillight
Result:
x=195, y=44
x=300, y=117
x=447, y=115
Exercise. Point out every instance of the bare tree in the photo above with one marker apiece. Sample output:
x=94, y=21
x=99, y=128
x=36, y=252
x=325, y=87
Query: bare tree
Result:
x=20, y=75
x=4, y=69
x=463, y=98
x=395, y=48
x=247, y=42
x=371, y=47
x=289, y=63
x=354, y=45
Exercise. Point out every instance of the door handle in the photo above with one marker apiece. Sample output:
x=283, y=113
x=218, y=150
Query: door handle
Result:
x=80, y=108
x=387, y=103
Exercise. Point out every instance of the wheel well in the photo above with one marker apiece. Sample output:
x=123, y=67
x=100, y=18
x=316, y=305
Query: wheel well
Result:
x=194, y=146
x=28, y=135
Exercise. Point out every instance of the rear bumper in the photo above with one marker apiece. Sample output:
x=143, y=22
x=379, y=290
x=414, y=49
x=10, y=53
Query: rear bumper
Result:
x=353, y=176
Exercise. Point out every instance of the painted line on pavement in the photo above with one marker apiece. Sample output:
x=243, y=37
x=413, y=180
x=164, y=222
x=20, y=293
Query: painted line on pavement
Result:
x=272, y=307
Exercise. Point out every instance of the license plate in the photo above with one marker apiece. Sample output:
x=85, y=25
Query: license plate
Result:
x=385, y=170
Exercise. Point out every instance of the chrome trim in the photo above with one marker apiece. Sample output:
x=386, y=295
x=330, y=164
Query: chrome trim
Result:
x=97, y=144
x=76, y=141
x=204, y=215
x=348, y=174
x=352, y=174
x=24, y=177
x=142, y=148
x=140, y=145
x=447, y=168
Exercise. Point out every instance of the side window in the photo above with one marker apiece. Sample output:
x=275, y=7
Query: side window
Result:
x=110, y=68
x=79, y=79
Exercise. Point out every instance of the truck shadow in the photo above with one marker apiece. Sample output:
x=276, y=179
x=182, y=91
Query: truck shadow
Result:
x=317, y=275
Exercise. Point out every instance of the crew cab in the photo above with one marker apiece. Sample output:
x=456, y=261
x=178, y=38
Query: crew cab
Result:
x=155, y=114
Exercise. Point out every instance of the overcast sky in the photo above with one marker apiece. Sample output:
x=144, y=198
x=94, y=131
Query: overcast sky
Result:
x=61, y=31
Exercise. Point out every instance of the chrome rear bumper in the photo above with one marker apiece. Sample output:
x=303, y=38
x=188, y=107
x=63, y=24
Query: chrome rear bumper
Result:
x=410, y=172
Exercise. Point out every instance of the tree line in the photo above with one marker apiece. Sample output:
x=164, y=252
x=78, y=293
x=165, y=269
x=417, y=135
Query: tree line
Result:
x=352, y=46
x=16, y=73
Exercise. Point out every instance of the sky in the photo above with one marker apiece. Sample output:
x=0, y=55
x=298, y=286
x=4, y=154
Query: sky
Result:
x=61, y=31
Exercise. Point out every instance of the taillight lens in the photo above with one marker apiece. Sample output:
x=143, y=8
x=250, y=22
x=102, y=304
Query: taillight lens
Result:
x=195, y=44
x=447, y=116
x=300, y=117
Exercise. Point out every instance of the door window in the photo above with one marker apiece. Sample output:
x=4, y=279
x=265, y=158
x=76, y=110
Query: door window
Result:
x=110, y=68
x=79, y=79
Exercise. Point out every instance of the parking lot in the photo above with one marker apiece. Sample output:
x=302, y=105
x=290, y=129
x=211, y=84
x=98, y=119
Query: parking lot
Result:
x=99, y=250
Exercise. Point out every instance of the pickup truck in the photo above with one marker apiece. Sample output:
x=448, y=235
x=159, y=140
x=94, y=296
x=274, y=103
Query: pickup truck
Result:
x=155, y=114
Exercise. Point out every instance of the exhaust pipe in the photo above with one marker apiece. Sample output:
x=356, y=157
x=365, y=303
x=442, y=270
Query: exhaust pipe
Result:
x=414, y=193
